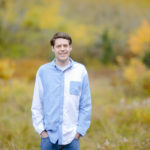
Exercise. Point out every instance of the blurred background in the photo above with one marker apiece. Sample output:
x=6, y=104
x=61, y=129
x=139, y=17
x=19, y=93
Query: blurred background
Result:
x=111, y=38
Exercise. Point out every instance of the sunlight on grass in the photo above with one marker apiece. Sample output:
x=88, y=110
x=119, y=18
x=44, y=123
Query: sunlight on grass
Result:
x=118, y=122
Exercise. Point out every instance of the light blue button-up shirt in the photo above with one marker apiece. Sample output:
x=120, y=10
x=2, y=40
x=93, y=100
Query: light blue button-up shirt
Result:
x=61, y=101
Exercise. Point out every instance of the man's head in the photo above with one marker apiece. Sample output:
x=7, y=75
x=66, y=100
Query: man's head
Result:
x=61, y=46
x=60, y=35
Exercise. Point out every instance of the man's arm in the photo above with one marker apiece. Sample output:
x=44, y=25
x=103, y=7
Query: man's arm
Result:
x=37, y=108
x=84, y=108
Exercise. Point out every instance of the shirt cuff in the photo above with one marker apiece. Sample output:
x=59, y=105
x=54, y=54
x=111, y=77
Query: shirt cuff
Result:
x=80, y=131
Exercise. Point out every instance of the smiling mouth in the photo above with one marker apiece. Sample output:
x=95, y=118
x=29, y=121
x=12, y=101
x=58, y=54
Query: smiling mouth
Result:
x=63, y=54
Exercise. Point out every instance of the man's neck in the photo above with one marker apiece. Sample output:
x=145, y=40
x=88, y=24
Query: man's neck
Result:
x=62, y=63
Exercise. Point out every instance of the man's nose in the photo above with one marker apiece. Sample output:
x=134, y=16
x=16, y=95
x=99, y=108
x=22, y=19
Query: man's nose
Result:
x=62, y=48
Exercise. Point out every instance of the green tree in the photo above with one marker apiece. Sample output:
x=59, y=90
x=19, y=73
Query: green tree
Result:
x=146, y=59
x=107, y=48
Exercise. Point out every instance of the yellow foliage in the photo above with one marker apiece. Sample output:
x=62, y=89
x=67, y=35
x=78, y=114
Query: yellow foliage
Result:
x=27, y=68
x=130, y=74
x=142, y=115
x=81, y=32
x=140, y=41
x=32, y=16
x=148, y=73
x=10, y=14
x=137, y=76
x=7, y=68
x=119, y=60
x=49, y=18
x=44, y=17
x=134, y=71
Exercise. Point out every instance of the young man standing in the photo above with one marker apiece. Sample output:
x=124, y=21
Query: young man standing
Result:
x=61, y=107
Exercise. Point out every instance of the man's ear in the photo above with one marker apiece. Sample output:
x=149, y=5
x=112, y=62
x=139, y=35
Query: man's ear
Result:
x=52, y=48
x=70, y=47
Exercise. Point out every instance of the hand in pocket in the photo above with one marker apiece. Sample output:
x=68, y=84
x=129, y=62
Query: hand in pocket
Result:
x=44, y=134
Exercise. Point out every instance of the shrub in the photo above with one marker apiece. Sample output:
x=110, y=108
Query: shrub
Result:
x=146, y=59
x=7, y=68
x=137, y=78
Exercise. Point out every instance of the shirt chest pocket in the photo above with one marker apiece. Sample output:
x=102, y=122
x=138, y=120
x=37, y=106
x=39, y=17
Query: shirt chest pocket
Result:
x=75, y=88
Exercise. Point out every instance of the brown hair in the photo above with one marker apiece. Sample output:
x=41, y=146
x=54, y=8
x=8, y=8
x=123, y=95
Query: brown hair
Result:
x=60, y=35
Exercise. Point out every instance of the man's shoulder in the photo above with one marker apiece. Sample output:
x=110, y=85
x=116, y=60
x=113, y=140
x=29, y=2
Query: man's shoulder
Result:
x=44, y=67
x=80, y=66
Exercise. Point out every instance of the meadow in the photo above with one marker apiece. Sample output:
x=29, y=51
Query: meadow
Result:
x=112, y=38
x=118, y=122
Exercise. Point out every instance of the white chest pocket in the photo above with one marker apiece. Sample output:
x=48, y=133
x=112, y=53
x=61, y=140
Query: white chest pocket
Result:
x=75, y=88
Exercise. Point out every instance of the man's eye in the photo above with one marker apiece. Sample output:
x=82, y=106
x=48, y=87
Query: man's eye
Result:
x=65, y=45
x=58, y=46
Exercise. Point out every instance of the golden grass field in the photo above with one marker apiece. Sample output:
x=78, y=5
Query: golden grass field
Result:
x=118, y=122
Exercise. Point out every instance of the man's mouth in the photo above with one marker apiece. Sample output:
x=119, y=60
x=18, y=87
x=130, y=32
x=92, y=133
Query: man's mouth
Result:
x=62, y=54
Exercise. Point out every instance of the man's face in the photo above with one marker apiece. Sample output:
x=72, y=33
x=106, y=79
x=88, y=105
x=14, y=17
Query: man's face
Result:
x=62, y=49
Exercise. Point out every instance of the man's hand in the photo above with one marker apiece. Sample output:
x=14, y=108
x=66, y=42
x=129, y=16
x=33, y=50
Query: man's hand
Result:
x=77, y=136
x=44, y=134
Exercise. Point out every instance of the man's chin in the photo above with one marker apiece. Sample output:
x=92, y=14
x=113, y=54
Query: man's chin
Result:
x=63, y=59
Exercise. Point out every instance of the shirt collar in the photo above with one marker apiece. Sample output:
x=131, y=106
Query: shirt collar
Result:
x=70, y=60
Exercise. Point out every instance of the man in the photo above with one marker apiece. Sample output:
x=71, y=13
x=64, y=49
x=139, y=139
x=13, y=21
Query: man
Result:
x=61, y=106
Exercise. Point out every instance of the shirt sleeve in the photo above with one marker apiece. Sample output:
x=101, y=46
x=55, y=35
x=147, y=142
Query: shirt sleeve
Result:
x=36, y=108
x=84, y=107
